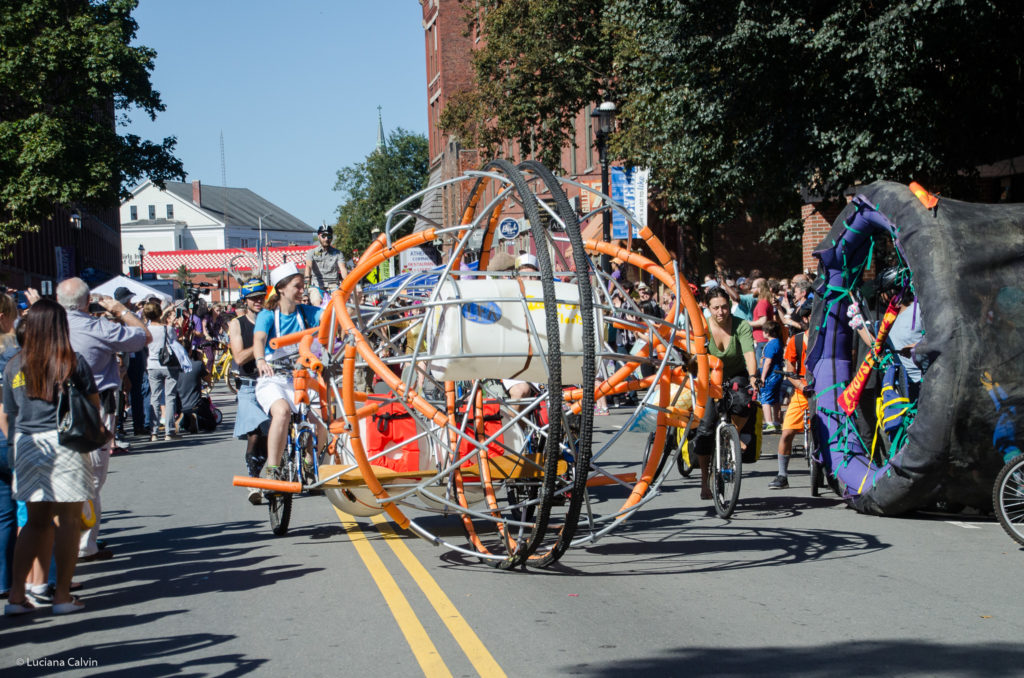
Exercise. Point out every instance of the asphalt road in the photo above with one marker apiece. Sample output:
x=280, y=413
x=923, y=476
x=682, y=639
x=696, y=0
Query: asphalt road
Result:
x=792, y=586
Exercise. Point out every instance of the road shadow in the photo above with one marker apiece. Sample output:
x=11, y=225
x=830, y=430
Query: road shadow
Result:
x=891, y=657
x=105, y=658
x=185, y=561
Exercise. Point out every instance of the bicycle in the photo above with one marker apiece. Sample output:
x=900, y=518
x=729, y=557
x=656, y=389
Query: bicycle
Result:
x=300, y=445
x=221, y=370
x=726, y=462
x=1008, y=498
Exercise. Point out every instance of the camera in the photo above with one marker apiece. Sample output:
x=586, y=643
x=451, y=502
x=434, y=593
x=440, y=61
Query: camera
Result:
x=192, y=292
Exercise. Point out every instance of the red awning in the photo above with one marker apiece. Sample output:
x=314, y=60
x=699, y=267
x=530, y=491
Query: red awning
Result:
x=214, y=261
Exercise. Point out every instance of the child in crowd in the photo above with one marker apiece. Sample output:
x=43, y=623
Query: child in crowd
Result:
x=771, y=377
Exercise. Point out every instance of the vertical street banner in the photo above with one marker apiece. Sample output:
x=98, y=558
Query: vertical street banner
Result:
x=629, y=188
x=65, y=262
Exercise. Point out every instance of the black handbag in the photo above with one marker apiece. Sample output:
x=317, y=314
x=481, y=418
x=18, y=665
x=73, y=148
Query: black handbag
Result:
x=166, y=356
x=79, y=426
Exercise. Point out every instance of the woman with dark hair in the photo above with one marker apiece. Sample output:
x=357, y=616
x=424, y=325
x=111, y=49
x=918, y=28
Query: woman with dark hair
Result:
x=51, y=479
x=731, y=341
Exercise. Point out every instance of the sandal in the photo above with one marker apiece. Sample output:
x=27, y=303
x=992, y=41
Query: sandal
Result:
x=14, y=609
x=67, y=608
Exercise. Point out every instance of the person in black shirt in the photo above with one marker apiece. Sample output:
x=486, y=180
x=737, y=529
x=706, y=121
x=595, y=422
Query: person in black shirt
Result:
x=251, y=421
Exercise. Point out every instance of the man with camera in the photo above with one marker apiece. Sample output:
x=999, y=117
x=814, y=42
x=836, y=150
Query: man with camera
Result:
x=99, y=340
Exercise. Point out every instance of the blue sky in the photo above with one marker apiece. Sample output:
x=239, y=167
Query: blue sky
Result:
x=294, y=86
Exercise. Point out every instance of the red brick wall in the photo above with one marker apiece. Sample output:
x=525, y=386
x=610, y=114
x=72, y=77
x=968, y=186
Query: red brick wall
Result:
x=817, y=218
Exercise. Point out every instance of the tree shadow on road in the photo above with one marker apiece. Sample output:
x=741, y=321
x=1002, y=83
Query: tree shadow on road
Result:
x=893, y=657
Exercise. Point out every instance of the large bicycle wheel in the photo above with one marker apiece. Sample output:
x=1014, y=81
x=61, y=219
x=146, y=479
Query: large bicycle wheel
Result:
x=726, y=469
x=816, y=472
x=280, y=503
x=1008, y=498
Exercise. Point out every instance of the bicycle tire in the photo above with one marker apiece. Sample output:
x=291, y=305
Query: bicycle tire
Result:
x=218, y=416
x=230, y=382
x=726, y=471
x=582, y=449
x=280, y=504
x=1008, y=498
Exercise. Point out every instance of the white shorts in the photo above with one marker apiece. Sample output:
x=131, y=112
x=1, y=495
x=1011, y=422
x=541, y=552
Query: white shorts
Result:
x=271, y=389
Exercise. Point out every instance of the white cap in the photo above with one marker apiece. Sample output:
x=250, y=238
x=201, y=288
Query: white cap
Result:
x=527, y=260
x=709, y=284
x=285, y=270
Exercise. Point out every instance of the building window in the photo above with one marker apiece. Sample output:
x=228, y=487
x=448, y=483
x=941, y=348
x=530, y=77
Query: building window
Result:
x=134, y=212
x=170, y=211
x=152, y=211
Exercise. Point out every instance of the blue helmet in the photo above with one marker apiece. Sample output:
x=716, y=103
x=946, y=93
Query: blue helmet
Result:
x=253, y=288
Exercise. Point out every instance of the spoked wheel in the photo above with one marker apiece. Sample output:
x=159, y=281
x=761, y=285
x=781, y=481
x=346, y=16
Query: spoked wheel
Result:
x=726, y=469
x=1008, y=498
x=280, y=503
x=229, y=381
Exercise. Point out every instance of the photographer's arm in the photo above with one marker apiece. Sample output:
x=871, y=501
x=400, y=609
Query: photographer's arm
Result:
x=127, y=317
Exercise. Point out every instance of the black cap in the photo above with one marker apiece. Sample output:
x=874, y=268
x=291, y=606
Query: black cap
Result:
x=123, y=294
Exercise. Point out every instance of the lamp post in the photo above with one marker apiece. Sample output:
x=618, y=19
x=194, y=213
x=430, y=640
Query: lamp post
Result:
x=604, y=124
x=142, y=254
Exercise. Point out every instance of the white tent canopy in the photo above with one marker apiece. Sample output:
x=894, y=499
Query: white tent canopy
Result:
x=140, y=290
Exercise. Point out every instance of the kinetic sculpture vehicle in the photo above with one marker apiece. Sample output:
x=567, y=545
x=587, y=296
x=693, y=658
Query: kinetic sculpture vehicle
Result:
x=471, y=392
x=963, y=267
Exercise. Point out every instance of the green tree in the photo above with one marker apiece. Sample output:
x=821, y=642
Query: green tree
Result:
x=374, y=186
x=69, y=76
x=736, y=106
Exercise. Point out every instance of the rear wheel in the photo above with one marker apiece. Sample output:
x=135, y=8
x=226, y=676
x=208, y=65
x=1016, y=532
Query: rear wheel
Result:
x=726, y=469
x=1008, y=498
x=229, y=381
x=685, y=462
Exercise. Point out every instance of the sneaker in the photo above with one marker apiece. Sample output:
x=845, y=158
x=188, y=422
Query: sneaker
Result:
x=770, y=428
x=152, y=437
x=255, y=496
x=39, y=596
x=780, y=483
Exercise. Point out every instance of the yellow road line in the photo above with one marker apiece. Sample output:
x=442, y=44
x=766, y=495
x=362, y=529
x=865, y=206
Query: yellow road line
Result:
x=415, y=635
x=464, y=635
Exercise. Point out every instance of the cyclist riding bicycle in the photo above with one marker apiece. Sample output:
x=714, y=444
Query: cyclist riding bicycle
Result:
x=251, y=421
x=275, y=392
x=731, y=341
x=325, y=267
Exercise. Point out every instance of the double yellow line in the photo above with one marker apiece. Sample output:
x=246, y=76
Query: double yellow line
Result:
x=416, y=635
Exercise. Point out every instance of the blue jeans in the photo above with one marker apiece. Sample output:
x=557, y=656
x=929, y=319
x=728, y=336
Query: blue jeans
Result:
x=8, y=519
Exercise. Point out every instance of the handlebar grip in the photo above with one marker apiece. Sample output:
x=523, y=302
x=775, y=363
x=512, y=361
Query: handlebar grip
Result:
x=293, y=338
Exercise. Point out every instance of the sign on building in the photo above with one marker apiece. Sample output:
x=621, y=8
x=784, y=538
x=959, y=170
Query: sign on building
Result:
x=629, y=188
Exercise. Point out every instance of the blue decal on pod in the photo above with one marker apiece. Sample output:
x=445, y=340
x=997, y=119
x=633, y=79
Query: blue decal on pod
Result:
x=483, y=312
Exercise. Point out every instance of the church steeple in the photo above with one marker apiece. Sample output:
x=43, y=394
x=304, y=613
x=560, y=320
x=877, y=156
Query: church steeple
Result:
x=380, y=130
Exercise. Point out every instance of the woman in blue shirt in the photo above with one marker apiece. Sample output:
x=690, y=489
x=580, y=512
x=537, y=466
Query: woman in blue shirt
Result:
x=283, y=314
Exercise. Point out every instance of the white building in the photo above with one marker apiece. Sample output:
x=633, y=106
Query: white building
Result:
x=196, y=217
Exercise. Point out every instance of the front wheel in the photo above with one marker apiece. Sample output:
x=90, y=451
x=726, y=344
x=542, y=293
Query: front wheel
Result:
x=726, y=469
x=280, y=504
x=1008, y=498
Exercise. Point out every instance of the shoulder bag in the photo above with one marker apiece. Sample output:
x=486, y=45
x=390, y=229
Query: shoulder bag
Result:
x=166, y=356
x=79, y=426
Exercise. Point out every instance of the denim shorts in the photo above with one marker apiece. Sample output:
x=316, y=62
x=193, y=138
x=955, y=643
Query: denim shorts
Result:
x=250, y=415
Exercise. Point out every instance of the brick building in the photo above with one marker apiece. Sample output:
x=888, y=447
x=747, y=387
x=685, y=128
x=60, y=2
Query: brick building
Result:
x=70, y=242
x=449, y=50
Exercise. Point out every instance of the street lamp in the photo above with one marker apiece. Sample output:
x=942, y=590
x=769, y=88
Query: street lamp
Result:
x=142, y=253
x=604, y=124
